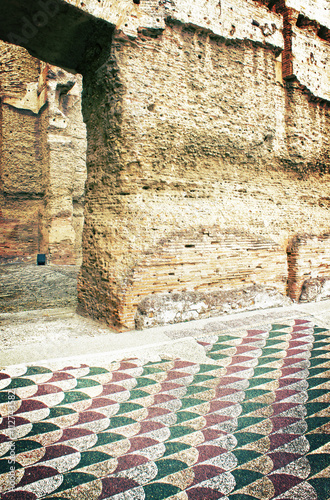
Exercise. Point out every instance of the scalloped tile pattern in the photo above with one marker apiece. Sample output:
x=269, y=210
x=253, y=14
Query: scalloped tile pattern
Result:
x=252, y=423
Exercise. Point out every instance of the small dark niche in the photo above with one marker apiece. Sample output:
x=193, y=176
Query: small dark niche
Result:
x=41, y=259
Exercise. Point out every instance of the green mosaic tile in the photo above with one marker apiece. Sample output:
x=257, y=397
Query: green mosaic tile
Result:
x=316, y=441
x=42, y=428
x=86, y=382
x=322, y=487
x=244, y=422
x=59, y=411
x=138, y=393
x=244, y=438
x=91, y=458
x=244, y=456
x=72, y=479
x=259, y=381
x=204, y=368
x=316, y=393
x=217, y=355
x=73, y=397
x=94, y=370
x=174, y=447
x=19, y=382
x=121, y=421
x=159, y=491
x=318, y=329
x=244, y=477
x=107, y=438
x=178, y=431
x=261, y=370
x=144, y=382
x=195, y=389
x=6, y=466
x=249, y=407
x=5, y=399
x=22, y=446
x=169, y=466
x=147, y=370
x=315, y=407
x=36, y=370
x=202, y=378
x=128, y=408
x=318, y=462
x=316, y=422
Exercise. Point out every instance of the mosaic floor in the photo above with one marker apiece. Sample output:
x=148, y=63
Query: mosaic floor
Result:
x=252, y=423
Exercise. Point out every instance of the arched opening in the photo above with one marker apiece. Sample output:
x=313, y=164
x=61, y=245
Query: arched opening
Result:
x=43, y=153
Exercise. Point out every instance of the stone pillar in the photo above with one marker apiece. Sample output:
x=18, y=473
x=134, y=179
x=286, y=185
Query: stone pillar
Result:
x=66, y=140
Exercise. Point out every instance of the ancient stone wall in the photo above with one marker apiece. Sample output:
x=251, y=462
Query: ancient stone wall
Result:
x=201, y=135
x=23, y=169
x=308, y=260
x=43, y=165
x=204, y=118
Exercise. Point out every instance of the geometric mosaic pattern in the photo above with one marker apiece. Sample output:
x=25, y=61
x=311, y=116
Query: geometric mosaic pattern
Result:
x=252, y=423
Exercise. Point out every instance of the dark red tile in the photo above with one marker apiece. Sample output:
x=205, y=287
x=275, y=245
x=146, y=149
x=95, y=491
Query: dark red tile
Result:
x=18, y=421
x=118, y=376
x=205, y=472
x=206, y=452
x=214, y=419
x=282, y=422
x=102, y=403
x=174, y=374
x=277, y=440
x=56, y=451
x=18, y=495
x=45, y=389
x=58, y=376
x=281, y=459
x=282, y=407
x=74, y=433
x=203, y=494
x=30, y=405
x=36, y=473
x=138, y=443
x=129, y=461
x=283, y=482
x=156, y=412
x=115, y=486
x=112, y=389
x=149, y=426
x=284, y=382
x=211, y=434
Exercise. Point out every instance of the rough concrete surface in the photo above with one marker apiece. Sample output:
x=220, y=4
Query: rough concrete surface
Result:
x=61, y=333
x=162, y=309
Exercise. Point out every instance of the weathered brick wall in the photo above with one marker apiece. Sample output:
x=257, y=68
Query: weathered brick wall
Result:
x=22, y=166
x=197, y=132
x=42, y=163
x=308, y=258
x=211, y=260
